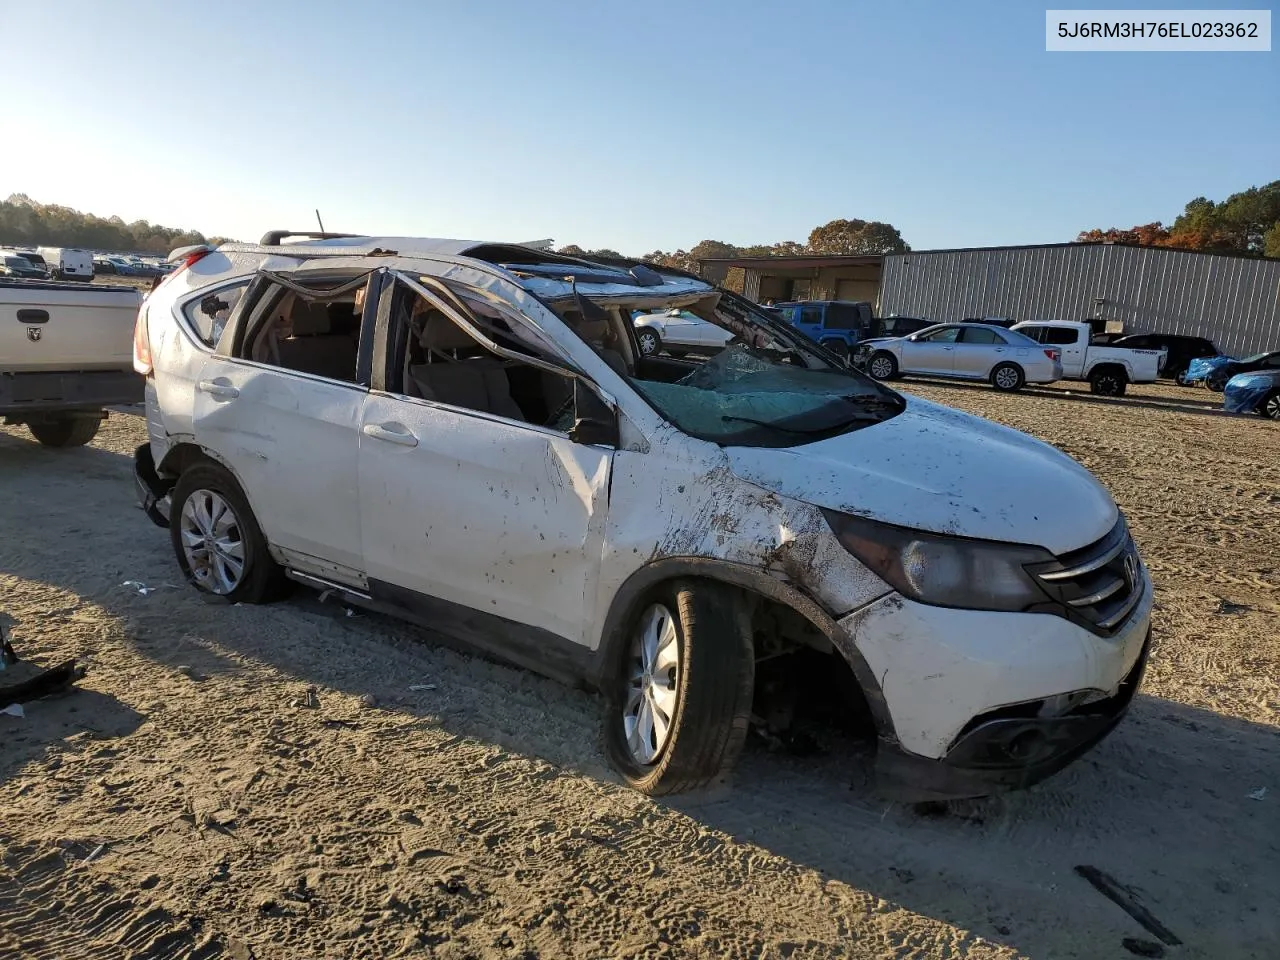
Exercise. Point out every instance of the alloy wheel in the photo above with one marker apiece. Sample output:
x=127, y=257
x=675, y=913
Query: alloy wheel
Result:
x=881, y=368
x=1271, y=407
x=211, y=542
x=1006, y=378
x=653, y=678
x=648, y=343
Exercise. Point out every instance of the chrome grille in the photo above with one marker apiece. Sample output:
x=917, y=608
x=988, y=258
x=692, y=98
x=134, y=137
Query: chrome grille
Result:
x=1097, y=586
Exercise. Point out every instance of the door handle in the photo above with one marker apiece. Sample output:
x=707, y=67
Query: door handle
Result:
x=948, y=348
x=218, y=389
x=381, y=432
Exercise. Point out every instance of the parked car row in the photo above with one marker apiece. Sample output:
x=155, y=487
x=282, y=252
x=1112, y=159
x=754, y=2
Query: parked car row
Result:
x=837, y=325
x=1009, y=358
x=1216, y=371
x=126, y=265
x=71, y=263
x=52, y=263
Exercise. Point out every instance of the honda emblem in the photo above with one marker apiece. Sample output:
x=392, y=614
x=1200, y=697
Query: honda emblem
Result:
x=33, y=333
x=1131, y=569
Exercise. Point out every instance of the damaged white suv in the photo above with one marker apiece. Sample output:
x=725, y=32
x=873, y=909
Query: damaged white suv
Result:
x=469, y=435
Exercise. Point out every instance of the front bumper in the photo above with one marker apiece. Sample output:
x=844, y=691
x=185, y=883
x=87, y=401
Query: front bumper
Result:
x=977, y=702
x=1007, y=753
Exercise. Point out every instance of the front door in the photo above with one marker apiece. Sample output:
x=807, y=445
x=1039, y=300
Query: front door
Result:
x=933, y=353
x=469, y=500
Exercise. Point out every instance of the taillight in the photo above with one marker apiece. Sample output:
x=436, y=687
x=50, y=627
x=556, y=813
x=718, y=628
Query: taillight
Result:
x=141, y=344
x=1052, y=354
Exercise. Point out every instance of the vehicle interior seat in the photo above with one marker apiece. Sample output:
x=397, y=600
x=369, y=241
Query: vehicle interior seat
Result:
x=475, y=382
x=314, y=348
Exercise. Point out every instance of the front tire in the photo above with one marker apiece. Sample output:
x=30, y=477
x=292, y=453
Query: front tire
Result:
x=218, y=543
x=650, y=342
x=1270, y=406
x=883, y=366
x=1216, y=382
x=678, y=701
x=1008, y=378
x=65, y=431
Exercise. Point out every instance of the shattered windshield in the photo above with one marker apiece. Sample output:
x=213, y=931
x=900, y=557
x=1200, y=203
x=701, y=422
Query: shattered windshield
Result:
x=751, y=396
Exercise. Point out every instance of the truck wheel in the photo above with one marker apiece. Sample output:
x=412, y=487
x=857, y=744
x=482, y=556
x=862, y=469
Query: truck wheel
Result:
x=65, y=431
x=678, y=700
x=883, y=366
x=1007, y=377
x=218, y=543
x=1108, y=382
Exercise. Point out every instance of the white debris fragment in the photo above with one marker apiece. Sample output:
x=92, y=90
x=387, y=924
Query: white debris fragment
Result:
x=94, y=853
x=14, y=710
x=138, y=585
x=421, y=686
x=1259, y=794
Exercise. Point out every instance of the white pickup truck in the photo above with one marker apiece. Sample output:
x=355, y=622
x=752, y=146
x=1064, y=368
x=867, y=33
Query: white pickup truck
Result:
x=1109, y=370
x=66, y=354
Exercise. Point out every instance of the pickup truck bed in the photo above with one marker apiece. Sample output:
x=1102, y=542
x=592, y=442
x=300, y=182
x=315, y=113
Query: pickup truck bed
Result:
x=65, y=355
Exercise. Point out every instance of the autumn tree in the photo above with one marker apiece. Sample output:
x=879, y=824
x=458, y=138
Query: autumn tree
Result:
x=1146, y=235
x=1247, y=222
x=842, y=237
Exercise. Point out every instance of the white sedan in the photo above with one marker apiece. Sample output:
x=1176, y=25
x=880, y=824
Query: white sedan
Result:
x=963, y=351
x=678, y=331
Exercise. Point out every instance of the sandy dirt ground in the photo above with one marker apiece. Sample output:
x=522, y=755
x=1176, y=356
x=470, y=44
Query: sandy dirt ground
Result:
x=186, y=802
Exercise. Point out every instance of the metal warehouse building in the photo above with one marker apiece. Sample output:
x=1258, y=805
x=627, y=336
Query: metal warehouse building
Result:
x=1233, y=300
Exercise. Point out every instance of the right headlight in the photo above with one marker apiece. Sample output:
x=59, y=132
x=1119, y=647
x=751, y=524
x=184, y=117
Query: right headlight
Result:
x=944, y=571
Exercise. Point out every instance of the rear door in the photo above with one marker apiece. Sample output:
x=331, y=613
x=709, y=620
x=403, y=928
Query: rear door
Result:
x=977, y=352
x=280, y=403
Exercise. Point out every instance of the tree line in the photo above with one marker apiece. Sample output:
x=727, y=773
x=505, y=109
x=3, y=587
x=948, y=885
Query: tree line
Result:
x=835, y=237
x=27, y=223
x=1247, y=222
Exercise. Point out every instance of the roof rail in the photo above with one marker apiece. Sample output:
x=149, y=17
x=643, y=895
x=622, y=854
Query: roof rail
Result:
x=272, y=238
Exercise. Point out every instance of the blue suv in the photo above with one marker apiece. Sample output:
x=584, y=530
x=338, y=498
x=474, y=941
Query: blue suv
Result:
x=840, y=324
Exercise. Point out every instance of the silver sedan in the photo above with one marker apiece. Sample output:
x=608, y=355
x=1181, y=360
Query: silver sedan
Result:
x=963, y=351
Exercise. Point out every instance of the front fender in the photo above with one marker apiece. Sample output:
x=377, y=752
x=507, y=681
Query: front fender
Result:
x=634, y=590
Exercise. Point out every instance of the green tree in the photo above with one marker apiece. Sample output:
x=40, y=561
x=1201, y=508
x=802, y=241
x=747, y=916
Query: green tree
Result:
x=856, y=236
x=24, y=221
x=1271, y=242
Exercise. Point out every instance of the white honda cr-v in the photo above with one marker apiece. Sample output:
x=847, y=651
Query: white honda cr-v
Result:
x=468, y=435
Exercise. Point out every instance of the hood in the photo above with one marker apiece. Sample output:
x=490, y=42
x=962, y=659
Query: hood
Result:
x=936, y=469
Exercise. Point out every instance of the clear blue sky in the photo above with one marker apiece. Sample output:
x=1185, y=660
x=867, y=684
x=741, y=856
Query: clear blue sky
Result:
x=634, y=126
